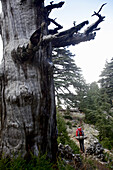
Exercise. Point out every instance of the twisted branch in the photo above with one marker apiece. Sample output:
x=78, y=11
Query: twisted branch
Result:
x=49, y=8
x=54, y=31
x=94, y=26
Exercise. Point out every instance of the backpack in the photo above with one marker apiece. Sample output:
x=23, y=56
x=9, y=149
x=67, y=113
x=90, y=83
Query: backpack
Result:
x=79, y=132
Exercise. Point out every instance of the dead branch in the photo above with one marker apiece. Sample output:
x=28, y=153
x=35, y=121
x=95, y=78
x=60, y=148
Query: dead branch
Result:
x=94, y=26
x=49, y=8
x=74, y=29
x=67, y=37
x=95, y=13
x=75, y=39
x=54, y=31
x=65, y=34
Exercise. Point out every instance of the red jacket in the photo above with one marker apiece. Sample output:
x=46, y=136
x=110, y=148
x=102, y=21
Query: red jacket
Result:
x=79, y=132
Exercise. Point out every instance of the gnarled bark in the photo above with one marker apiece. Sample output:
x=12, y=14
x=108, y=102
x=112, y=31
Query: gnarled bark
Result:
x=28, y=118
x=28, y=115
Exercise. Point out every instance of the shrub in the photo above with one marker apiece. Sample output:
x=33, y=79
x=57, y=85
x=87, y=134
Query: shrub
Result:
x=68, y=117
x=63, y=134
x=63, y=166
x=69, y=124
x=106, y=143
x=91, y=116
x=62, y=130
x=74, y=147
x=35, y=163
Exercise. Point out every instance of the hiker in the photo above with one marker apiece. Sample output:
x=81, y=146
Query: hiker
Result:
x=80, y=138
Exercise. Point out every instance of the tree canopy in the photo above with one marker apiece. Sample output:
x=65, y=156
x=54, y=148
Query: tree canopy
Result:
x=106, y=79
x=68, y=77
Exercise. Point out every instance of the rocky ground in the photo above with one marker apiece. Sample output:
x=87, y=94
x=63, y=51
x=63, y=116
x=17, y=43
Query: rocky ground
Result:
x=89, y=130
x=91, y=142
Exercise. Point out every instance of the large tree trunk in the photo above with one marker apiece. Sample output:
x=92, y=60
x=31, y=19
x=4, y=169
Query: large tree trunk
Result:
x=28, y=115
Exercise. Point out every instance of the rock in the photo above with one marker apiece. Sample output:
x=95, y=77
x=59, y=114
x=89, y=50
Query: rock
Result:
x=67, y=155
x=97, y=150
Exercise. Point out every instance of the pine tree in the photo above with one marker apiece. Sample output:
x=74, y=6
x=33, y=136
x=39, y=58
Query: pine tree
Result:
x=106, y=80
x=67, y=76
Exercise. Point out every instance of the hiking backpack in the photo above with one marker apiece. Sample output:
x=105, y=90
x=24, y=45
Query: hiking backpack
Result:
x=79, y=132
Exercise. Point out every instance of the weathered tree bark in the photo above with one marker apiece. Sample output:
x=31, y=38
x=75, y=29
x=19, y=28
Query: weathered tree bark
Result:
x=28, y=114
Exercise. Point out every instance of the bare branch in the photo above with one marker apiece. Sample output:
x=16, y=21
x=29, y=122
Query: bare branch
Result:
x=75, y=39
x=52, y=6
x=93, y=27
x=54, y=31
x=95, y=13
x=54, y=22
x=74, y=29
x=66, y=38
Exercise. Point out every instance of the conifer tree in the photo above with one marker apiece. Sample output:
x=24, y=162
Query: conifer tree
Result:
x=67, y=76
x=106, y=80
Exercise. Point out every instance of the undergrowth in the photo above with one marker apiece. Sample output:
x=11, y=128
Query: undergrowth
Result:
x=19, y=163
x=35, y=163
x=63, y=134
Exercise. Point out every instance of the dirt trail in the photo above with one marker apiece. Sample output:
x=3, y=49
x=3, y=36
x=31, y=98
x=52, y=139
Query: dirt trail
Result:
x=89, y=131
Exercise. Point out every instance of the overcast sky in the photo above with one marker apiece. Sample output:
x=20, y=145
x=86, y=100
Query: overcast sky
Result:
x=90, y=56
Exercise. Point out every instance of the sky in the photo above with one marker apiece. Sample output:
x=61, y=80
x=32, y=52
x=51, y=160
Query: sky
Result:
x=90, y=56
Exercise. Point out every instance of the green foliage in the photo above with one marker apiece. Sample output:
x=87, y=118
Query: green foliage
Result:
x=109, y=159
x=4, y=163
x=17, y=163
x=63, y=166
x=91, y=100
x=97, y=108
x=41, y=163
x=62, y=130
x=105, y=127
x=67, y=76
x=67, y=114
x=106, y=80
x=89, y=164
x=74, y=147
x=69, y=124
x=63, y=134
x=91, y=116
x=106, y=143
x=104, y=124
x=68, y=117
x=36, y=163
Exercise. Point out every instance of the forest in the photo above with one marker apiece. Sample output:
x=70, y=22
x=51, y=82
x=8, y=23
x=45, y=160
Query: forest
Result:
x=95, y=99
x=42, y=90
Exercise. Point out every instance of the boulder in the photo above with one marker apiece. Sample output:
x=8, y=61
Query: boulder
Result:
x=66, y=153
x=96, y=150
